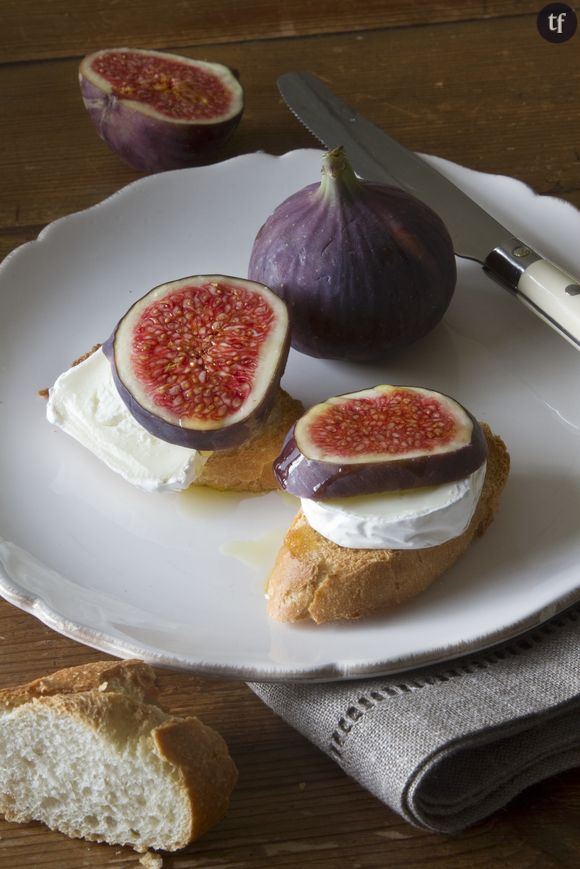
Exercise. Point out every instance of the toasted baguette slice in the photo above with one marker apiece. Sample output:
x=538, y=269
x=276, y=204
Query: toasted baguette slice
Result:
x=249, y=468
x=81, y=752
x=314, y=577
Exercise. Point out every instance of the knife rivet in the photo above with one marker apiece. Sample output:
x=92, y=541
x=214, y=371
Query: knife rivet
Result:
x=521, y=251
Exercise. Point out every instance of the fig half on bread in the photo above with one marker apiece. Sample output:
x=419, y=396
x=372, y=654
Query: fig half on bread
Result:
x=378, y=440
x=393, y=440
x=187, y=388
x=198, y=362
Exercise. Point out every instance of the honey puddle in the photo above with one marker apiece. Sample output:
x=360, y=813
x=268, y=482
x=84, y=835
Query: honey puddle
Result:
x=202, y=500
x=258, y=554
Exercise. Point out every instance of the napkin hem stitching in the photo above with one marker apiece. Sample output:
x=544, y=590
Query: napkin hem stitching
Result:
x=482, y=661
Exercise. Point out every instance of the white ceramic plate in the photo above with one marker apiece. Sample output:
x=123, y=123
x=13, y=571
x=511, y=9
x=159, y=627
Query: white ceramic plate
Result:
x=179, y=579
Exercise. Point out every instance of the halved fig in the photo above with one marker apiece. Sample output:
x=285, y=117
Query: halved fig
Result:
x=379, y=440
x=157, y=110
x=198, y=361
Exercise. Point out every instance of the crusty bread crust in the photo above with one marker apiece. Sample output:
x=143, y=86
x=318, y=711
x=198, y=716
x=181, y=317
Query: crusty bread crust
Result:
x=314, y=577
x=207, y=770
x=109, y=698
x=132, y=677
x=248, y=468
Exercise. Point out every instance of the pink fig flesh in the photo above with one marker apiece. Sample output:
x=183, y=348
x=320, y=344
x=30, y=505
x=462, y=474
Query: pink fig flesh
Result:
x=158, y=110
x=198, y=361
x=377, y=440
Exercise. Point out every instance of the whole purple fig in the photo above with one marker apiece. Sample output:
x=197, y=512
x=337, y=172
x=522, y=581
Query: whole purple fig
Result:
x=365, y=269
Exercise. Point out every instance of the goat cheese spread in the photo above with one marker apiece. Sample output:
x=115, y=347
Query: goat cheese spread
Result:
x=410, y=519
x=85, y=404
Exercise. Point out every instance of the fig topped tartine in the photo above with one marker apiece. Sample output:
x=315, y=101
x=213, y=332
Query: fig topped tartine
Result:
x=187, y=388
x=395, y=483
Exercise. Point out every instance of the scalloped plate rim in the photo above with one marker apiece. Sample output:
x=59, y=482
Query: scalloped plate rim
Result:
x=37, y=606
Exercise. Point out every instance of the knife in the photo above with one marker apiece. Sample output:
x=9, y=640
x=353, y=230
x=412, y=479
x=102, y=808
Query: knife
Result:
x=550, y=292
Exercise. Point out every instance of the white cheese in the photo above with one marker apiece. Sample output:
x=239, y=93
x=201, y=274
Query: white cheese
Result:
x=85, y=404
x=411, y=519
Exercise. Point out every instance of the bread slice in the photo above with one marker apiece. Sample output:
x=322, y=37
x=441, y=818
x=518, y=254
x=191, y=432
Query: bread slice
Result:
x=247, y=468
x=84, y=753
x=315, y=578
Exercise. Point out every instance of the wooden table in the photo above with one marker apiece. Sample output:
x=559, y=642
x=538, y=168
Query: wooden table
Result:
x=468, y=80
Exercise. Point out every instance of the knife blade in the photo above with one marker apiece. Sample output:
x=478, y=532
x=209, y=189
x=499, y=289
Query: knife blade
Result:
x=541, y=285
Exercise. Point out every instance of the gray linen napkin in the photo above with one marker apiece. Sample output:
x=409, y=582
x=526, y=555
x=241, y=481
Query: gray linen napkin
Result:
x=447, y=745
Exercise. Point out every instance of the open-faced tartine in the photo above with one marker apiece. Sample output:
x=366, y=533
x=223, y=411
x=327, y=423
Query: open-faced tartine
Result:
x=430, y=523
x=187, y=388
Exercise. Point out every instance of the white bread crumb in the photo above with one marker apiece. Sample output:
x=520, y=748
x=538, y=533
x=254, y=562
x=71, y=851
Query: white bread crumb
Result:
x=151, y=860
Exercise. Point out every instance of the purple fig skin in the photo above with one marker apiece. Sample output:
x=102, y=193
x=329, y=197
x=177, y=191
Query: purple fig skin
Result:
x=314, y=479
x=229, y=436
x=365, y=269
x=151, y=144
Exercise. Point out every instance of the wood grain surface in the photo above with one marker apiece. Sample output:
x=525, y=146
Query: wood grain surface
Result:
x=471, y=81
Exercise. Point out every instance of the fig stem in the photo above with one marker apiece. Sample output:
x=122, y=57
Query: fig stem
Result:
x=337, y=173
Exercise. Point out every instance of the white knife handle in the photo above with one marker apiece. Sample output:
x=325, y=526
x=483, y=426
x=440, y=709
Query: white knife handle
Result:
x=550, y=292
